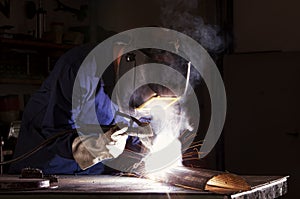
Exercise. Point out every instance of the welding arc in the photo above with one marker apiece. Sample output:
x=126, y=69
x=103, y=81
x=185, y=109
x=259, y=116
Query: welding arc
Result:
x=39, y=147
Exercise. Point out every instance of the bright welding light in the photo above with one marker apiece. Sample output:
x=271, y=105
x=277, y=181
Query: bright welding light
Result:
x=158, y=101
x=165, y=151
x=164, y=155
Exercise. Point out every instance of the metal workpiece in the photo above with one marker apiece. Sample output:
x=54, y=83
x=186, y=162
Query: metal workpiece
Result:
x=126, y=186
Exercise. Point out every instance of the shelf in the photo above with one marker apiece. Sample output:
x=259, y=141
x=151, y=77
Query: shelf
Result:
x=32, y=54
x=35, y=44
x=21, y=81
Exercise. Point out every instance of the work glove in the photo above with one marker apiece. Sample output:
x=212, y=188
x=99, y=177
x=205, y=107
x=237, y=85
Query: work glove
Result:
x=90, y=150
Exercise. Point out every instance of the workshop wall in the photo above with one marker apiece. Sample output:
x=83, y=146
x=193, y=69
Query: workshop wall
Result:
x=22, y=24
x=262, y=83
x=268, y=25
x=119, y=15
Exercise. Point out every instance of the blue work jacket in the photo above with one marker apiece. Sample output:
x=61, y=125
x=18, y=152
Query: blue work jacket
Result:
x=49, y=112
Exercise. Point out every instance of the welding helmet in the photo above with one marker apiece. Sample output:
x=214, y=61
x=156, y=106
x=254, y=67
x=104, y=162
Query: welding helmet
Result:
x=128, y=93
x=134, y=76
x=136, y=88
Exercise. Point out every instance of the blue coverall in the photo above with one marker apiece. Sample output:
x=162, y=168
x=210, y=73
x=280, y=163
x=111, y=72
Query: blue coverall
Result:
x=49, y=111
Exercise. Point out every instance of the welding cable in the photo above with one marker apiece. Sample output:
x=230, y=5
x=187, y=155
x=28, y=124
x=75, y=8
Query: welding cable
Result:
x=51, y=139
x=39, y=147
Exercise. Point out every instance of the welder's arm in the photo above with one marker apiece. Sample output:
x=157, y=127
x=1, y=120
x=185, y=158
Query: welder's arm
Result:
x=88, y=151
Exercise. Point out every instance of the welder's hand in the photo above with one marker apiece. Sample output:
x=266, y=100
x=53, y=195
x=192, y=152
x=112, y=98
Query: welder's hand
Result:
x=88, y=151
x=142, y=131
x=118, y=141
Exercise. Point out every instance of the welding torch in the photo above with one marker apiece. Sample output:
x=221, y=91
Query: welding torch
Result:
x=142, y=130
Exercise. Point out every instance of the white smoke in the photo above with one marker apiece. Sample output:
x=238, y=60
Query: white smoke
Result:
x=177, y=15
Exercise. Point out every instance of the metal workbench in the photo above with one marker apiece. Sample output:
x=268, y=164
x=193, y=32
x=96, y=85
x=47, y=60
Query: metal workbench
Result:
x=105, y=186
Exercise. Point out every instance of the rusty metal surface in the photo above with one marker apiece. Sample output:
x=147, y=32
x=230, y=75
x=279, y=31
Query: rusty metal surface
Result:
x=105, y=186
x=15, y=183
x=188, y=178
x=115, y=184
x=203, y=180
x=265, y=187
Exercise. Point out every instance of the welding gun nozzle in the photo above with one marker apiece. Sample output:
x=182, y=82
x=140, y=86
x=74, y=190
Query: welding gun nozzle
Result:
x=140, y=131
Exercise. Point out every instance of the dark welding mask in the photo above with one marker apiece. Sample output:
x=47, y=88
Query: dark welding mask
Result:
x=133, y=87
x=130, y=91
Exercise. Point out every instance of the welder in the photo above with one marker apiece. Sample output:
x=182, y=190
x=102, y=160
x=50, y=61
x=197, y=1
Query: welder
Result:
x=50, y=112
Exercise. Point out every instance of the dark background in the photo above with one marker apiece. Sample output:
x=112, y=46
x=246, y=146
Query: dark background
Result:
x=259, y=63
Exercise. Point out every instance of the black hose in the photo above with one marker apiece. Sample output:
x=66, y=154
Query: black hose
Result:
x=51, y=139
x=39, y=147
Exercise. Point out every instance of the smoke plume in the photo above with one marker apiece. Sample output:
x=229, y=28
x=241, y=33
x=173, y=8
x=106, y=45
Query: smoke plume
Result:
x=176, y=14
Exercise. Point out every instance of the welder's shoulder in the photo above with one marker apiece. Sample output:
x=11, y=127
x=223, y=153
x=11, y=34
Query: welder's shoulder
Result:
x=71, y=60
x=78, y=53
